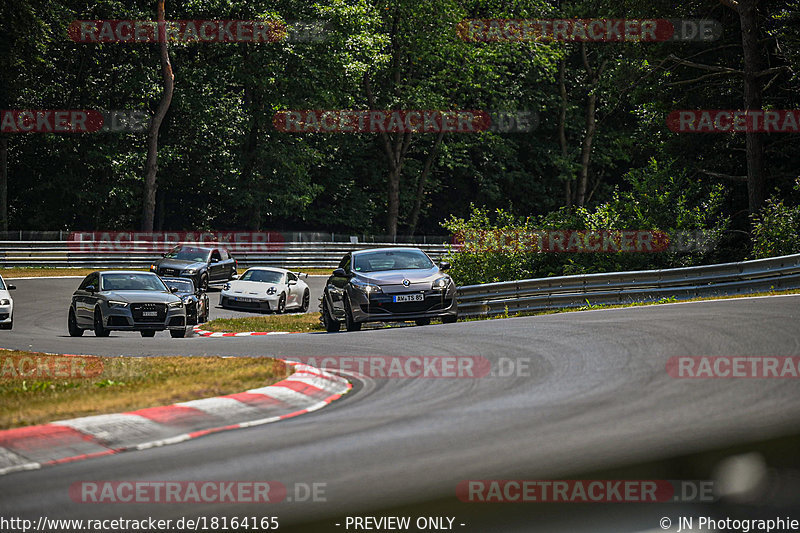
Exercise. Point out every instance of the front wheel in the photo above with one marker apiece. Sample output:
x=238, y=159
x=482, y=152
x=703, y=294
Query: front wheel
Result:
x=349, y=323
x=99, y=329
x=148, y=333
x=72, y=325
x=331, y=324
x=306, y=302
x=204, y=282
x=177, y=333
x=281, y=304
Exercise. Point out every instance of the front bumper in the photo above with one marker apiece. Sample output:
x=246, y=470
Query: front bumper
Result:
x=122, y=319
x=230, y=301
x=6, y=313
x=381, y=307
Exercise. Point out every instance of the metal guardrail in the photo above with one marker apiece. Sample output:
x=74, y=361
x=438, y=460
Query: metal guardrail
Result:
x=139, y=254
x=626, y=287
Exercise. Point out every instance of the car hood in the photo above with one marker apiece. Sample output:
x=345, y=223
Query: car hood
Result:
x=250, y=287
x=179, y=264
x=144, y=297
x=396, y=277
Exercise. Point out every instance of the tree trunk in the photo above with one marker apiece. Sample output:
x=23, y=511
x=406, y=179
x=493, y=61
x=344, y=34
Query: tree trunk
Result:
x=3, y=183
x=253, y=102
x=751, y=49
x=562, y=131
x=423, y=178
x=151, y=165
x=591, y=106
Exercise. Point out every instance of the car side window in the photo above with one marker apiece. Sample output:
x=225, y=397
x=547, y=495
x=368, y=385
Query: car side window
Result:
x=291, y=276
x=224, y=254
x=91, y=279
x=345, y=264
x=215, y=255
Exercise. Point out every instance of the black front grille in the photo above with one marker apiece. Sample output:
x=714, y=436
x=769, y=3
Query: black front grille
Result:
x=3, y=316
x=245, y=305
x=144, y=312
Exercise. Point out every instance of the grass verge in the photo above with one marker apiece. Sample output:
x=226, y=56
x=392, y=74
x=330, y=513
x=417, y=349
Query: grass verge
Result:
x=40, y=388
x=296, y=323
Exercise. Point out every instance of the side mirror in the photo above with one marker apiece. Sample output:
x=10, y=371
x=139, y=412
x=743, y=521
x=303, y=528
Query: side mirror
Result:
x=11, y=287
x=291, y=282
x=91, y=288
x=164, y=254
x=214, y=260
x=173, y=289
x=444, y=265
x=340, y=273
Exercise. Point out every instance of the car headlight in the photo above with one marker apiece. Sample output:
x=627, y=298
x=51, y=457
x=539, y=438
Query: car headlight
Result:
x=271, y=290
x=441, y=283
x=114, y=303
x=5, y=302
x=189, y=271
x=226, y=287
x=366, y=288
x=153, y=268
x=186, y=299
x=173, y=305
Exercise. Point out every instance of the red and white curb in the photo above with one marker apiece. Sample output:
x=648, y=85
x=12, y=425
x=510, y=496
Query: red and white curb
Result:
x=28, y=448
x=203, y=333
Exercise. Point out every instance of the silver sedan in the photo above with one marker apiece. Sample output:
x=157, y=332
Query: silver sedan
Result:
x=388, y=284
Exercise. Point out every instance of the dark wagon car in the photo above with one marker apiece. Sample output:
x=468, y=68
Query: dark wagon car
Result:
x=201, y=264
x=194, y=299
x=119, y=300
x=388, y=284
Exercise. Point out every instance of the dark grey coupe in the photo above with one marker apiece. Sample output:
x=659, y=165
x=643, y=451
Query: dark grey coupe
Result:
x=387, y=284
x=125, y=301
x=203, y=265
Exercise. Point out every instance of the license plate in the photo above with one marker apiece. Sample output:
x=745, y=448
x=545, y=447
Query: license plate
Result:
x=408, y=298
x=239, y=299
x=150, y=313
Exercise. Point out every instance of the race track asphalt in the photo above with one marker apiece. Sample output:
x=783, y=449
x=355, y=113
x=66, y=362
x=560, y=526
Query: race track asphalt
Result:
x=589, y=391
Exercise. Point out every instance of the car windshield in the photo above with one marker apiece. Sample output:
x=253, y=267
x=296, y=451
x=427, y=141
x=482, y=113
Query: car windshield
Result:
x=181, y=285
x=187, y=253
x=264, y=276
x=2, y=285
x=132, y=282
x=391, y=260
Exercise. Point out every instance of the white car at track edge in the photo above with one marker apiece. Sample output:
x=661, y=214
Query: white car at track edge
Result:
x=267, y=289
x=6, y=305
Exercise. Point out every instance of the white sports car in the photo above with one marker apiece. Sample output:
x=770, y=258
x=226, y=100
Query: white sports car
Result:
x=266, y=289
x=6, y=305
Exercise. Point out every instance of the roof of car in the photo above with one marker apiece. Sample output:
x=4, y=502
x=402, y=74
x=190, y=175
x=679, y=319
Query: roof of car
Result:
x=273, y=269
x=123, y=272
x=196, y=247
x=388, y=249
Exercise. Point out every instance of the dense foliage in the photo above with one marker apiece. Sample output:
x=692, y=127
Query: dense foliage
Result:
x=223, y=165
